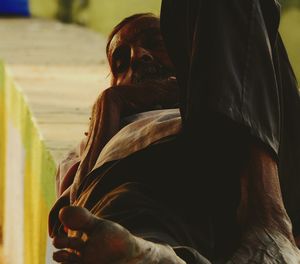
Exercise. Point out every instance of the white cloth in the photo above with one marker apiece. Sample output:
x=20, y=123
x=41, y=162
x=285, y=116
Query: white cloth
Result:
x=140, y=131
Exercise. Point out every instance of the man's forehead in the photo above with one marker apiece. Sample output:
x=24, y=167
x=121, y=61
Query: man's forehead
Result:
x=134, y=29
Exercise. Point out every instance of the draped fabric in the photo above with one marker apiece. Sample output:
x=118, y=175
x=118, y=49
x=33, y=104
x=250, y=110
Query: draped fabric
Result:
x=230, y=60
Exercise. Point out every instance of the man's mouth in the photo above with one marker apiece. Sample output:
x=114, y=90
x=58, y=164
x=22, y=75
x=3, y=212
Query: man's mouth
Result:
x=151, y=71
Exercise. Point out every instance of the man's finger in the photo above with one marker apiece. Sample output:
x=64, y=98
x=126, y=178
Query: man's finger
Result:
x=78, y=218
x=68, y=242
x=64, y=256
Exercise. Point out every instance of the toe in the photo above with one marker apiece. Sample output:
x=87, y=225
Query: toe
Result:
x=68, y=242
x=64, y=256
x=78, y=218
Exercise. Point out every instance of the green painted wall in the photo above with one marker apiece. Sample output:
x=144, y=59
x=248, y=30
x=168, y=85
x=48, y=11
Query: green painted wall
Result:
x=290, y=30
x=43, y=8
x=100, y=15
x=103, y=15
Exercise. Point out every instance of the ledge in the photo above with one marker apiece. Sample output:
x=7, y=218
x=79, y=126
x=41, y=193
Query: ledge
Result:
x=49, y=79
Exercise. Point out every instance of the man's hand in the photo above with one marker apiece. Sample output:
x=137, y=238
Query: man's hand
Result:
x=105, y=242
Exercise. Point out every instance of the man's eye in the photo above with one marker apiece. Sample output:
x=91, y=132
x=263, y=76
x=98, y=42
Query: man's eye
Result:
x=121, y=66
x=121, y=59
x=153, y=44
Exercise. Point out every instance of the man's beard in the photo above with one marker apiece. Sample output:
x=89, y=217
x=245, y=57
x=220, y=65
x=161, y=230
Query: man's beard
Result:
x=150, y=71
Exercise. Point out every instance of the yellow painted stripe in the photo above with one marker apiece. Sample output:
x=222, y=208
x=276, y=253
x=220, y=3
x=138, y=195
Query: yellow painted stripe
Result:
x=2, y=145
x=39, y=192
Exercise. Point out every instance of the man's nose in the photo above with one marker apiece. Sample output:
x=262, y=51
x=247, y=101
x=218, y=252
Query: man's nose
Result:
x=141, y=54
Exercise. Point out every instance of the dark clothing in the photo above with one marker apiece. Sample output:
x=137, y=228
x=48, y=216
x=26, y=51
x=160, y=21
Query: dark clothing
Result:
x=159, y=194
x=222, y=51
x=230, y=60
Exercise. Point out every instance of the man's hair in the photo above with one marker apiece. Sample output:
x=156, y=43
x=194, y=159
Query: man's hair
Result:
x=124, y=22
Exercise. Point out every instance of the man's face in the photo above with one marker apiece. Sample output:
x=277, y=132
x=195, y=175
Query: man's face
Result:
x=137, y=53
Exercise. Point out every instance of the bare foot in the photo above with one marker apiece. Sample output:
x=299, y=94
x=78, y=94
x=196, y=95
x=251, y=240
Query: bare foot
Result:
x=105, y=242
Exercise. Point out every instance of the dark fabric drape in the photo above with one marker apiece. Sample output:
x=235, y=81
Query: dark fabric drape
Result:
x=230, y=61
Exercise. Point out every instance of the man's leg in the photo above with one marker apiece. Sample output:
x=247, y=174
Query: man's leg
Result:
x=223, y=52
x=267, y=230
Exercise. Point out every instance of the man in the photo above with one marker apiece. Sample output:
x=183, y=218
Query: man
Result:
x=148, y=83
x=158, y=220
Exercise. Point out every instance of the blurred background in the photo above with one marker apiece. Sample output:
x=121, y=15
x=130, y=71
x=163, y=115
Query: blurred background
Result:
x=101, y=15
